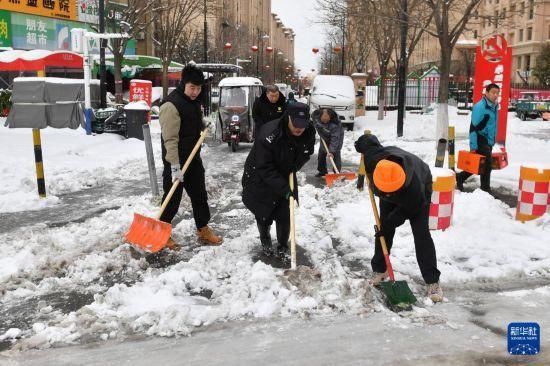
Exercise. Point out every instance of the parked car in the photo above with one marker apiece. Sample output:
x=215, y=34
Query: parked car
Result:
x=528, y=108
x=336, y=92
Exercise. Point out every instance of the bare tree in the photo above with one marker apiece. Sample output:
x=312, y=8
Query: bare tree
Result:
x=383, y=37
x=170, y=26
x=190, y=46
x=450, y=18
x=137, y=16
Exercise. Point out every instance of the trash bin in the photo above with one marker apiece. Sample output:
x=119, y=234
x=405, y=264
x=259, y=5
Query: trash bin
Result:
x=136, y=116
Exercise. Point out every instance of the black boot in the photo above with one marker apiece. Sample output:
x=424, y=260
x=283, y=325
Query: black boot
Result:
x=283, y=232
x=460, y=182
x=265, y=239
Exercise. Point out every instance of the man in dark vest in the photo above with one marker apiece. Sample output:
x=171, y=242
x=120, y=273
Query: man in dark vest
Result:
x=181, y=124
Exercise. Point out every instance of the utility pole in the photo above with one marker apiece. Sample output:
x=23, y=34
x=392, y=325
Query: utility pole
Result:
x=205, y=57
x=402, y=72
x=102, y=45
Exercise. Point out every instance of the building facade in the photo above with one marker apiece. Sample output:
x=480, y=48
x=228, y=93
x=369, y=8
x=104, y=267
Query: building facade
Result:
x=247, y=30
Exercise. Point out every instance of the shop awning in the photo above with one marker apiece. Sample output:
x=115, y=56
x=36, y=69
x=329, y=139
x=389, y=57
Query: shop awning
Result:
x=36, y=60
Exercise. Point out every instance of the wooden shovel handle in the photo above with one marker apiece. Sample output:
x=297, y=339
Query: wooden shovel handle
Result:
x=378, y=224
x=292, y=225
x=330, y=157
x=185, y=166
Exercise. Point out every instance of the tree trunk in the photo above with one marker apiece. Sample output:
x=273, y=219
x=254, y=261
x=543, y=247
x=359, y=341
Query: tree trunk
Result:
x=165, y=65
x=442, y=127
x=382, y=93
x=117, y=58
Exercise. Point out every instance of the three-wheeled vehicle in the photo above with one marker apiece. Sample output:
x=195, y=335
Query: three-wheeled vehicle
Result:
x=237, y=96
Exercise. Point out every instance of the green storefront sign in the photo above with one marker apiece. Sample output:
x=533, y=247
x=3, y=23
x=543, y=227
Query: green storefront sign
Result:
x=30, y=32
x=5, y=29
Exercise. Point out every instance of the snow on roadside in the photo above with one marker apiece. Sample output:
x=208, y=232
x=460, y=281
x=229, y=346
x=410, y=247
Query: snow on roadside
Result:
x=334, y=226
x=72, y=161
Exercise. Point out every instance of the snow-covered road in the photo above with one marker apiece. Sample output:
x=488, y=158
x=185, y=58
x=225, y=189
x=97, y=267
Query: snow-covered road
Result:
x=66, y=277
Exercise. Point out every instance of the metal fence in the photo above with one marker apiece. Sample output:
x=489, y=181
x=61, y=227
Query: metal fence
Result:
x=419, y=93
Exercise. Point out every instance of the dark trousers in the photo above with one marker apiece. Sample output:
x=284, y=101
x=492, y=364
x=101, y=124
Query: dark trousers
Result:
x=194, y=184
x=485, y=175
x=423, y=243
x=322, y=161
x=281, y=216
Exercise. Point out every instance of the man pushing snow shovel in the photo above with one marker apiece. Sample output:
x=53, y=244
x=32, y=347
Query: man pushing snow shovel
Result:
x=281, y=147
x=403, y=182
x=181, y=125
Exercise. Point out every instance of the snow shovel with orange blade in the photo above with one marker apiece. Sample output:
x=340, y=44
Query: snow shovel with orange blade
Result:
x=333, y=177
x=151, y=234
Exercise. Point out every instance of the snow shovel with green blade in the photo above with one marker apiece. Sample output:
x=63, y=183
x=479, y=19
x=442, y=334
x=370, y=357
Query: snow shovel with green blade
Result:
x=398, y=294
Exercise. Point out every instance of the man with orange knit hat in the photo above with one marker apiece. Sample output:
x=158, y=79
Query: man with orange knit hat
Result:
x=403, y=182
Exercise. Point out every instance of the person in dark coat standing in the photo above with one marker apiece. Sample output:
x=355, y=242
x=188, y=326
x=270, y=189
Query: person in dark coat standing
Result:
x=403, y=182
x=282, y=146
x=330, y=129
x=181, y=124
x=270, y=105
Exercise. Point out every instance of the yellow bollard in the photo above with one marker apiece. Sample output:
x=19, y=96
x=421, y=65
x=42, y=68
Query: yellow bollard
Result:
x=38, y=162
x=451, y=147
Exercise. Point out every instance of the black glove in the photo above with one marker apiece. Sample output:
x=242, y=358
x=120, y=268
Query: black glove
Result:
x=292, y=194
x=378, y=232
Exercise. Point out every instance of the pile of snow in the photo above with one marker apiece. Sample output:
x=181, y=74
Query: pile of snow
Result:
x=217, y=284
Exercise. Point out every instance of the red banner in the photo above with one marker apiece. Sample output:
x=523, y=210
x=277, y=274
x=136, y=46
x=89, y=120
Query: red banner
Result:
x=494, y=65
x=141, y=90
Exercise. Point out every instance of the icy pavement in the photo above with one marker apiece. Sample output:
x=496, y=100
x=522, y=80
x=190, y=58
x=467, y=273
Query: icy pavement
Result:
x=67, y=278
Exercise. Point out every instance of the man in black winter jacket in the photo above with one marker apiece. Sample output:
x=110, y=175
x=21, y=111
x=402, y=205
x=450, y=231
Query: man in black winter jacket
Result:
x=281, y=147
x=330, y=129
x=403, y=182
x=270, y=105
x=181, y=124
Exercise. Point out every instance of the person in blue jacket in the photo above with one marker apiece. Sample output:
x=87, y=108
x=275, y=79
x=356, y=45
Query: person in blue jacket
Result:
x=483, y=129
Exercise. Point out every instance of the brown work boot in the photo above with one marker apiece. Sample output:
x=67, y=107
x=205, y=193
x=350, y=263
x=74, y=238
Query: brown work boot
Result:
x=207, y=237
x=435, y=292
x=172, y=244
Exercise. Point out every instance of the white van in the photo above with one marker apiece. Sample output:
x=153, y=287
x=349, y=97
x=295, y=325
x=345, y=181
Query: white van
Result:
x=336, y=92
x=283, y=88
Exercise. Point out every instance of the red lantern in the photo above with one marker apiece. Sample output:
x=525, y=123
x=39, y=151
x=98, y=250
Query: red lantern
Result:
x=315, y=50
x=254, y=48
x=227, y=46
x=337, y=49
x=269, y=49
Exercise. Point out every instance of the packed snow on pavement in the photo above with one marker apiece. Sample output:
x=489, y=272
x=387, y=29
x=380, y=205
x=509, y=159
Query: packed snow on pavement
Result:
x=119, y=293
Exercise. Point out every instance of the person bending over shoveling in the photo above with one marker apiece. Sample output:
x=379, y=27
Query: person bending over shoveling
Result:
x=181, y=125
x=282, y=146
x=330, y=129
x=403, y=182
